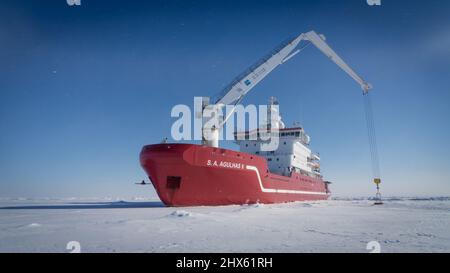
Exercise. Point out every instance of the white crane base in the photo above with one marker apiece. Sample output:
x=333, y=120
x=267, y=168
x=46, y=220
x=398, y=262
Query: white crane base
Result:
x=211, y=137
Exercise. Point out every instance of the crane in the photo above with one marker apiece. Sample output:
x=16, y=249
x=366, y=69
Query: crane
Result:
x=237, y=89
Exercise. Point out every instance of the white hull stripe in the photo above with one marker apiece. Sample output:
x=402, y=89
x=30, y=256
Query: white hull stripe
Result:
x=253, y=168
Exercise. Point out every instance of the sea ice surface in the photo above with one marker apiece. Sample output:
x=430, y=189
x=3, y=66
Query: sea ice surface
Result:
x=142, y=225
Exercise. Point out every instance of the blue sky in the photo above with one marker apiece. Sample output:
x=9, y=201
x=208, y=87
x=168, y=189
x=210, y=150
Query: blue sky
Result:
x=82, y=89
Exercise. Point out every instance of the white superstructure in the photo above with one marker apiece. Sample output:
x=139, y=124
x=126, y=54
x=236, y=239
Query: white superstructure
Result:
x=293, y=153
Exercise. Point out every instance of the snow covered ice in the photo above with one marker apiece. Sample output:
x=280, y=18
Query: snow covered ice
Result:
x=142, y=225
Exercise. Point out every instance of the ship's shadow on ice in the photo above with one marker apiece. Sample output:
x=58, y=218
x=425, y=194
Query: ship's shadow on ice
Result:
x=91, y=205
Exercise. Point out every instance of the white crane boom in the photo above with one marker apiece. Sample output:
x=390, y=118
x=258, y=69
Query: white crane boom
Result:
x=243, y=84
x=235, y=92
x=320, y=43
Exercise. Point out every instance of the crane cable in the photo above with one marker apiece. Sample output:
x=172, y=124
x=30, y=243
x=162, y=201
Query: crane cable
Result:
x=373, y=145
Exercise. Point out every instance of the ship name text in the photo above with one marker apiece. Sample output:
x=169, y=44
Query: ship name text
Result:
x=225, y=164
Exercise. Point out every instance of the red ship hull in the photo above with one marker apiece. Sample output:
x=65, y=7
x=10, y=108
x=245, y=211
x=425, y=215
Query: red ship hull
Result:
x=196, y=175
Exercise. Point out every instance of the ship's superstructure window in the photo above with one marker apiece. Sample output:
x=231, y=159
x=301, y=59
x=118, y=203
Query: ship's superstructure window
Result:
x=292, y=155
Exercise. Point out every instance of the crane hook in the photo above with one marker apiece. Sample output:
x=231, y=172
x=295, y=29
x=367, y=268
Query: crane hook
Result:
x=378, y=200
